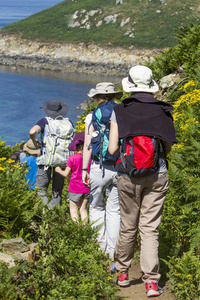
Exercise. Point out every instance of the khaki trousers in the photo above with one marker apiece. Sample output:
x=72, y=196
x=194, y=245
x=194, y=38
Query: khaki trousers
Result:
x=141, y=204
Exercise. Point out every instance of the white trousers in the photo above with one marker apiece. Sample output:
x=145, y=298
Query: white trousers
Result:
x=105, y=214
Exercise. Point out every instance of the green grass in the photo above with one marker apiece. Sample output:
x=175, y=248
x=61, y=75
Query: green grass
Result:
x=151, y=28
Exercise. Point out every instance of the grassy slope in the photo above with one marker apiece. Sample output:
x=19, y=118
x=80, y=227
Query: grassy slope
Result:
x=151, y=29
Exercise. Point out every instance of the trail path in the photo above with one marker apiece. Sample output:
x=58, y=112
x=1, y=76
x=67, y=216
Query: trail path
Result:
x=136, y=291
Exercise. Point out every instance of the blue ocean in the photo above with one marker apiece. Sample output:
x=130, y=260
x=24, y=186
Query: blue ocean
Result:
x=15, y=10
x=23, y=91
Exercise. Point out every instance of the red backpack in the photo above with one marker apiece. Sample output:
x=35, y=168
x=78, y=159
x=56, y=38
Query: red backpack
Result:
x=139, y=156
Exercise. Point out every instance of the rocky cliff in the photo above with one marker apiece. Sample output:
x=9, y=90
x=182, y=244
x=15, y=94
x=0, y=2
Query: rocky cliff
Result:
x=78, y=58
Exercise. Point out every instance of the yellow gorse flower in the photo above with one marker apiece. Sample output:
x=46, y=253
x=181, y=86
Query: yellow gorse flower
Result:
x=184, y=127
x=2, y=158
x=176, y=116
x=192, y=98
x=178, y=146
x=188, y=84
x=10, y=161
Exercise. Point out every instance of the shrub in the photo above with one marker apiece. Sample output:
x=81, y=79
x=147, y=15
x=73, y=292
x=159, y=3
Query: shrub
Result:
x=180, y=227
x=6, y=151
x=184, y=276
x=18, y=205
x=71, y=265
x=183, y=57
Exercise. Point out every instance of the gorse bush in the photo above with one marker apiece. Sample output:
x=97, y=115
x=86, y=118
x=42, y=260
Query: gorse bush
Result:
x=18, y=205
x=183, y=57
x=6, y=151
x=180, y=227
x=8, y=289
x=185, y=276
x=70, y=264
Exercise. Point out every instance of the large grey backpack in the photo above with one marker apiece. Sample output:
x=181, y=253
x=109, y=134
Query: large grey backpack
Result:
x=59, y=136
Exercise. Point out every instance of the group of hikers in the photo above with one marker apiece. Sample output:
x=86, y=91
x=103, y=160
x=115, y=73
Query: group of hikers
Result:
x=119, y=164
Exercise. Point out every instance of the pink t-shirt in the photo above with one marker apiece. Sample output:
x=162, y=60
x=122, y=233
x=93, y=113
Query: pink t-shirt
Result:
x=75, y=162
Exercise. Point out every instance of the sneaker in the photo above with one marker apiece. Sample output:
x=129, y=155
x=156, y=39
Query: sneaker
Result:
x=113, y=269
x=152, y=289
x=122, y=279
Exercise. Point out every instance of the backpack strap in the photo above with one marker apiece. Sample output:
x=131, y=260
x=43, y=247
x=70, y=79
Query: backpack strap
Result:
x=103, y=127
x=59, y=118
x=122, y=154
x=164, y=152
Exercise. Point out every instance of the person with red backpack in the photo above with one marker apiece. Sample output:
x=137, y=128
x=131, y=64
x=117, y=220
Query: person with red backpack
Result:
x=104, y=209
x=142, y=131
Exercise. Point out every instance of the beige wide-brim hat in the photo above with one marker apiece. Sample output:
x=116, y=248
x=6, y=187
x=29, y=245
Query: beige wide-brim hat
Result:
x=140, y=80
x=105, y=88
x=30, y=148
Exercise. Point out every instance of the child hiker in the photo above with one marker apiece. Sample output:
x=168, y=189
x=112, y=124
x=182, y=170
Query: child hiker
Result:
x=30, y=162
x=77, y=192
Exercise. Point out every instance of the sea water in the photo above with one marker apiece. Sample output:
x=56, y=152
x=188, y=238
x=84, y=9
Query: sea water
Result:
x=15, y=10
x=21, y=97
x=22, y=91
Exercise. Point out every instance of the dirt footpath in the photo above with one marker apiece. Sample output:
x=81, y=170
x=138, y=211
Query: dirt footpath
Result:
x=136, y=291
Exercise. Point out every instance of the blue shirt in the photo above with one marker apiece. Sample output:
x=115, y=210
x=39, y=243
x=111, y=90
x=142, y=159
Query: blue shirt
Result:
x=32, y=170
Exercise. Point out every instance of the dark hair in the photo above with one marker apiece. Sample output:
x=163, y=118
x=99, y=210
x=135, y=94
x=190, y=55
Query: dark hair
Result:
x=79, y=147
x=107, y=97
x=22, y=146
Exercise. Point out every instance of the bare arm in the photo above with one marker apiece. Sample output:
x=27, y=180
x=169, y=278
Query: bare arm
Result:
x=33, y=134
x=87, y=154
x=64, y=173
x=113, y=147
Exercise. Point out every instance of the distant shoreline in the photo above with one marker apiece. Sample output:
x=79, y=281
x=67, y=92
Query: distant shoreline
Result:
x=64, y=65
x=70, y=58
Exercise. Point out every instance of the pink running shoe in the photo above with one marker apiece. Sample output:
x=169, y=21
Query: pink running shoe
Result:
x=152, y=289
x=122, y=280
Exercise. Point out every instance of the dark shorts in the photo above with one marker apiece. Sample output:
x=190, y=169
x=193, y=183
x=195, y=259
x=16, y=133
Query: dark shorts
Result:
x=77, y=197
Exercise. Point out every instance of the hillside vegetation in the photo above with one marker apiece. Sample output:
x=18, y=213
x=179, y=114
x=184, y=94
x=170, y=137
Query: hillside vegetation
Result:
x=138, y=23
x=68, y=262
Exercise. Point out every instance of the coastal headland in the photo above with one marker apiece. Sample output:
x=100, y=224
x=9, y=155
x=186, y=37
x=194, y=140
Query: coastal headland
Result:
x=86, y=58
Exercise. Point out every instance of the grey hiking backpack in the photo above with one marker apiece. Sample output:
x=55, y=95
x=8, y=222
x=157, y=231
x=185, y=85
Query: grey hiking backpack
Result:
x=59, y=136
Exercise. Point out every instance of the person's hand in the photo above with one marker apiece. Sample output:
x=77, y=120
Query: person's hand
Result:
x=58, y=169
x=86, y=178
x=36, y=144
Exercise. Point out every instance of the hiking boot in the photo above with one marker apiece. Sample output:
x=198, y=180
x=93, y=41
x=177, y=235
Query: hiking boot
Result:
x=152, y=289
x=122, y=280
x=113, y=269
